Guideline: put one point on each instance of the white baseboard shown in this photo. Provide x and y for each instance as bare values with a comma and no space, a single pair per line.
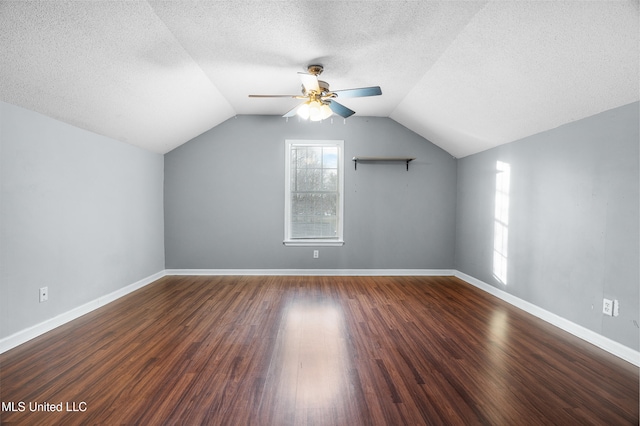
27,334
315,272
615,348
590,336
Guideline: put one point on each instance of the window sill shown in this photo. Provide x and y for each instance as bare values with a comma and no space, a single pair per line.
313,243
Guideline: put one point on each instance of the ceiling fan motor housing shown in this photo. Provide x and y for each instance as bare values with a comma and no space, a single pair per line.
324,88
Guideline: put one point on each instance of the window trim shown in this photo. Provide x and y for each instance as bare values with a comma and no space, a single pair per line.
313,242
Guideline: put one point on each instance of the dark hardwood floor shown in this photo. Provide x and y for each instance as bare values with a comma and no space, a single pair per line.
314,350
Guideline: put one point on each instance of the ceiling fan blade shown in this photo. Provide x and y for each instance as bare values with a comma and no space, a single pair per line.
275,96
293,111
340,109
356,93
310,82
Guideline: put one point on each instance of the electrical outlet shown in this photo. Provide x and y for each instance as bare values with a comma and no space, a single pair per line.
316,254
44,294
607,307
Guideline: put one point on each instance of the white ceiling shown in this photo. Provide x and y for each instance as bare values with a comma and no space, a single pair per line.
465,75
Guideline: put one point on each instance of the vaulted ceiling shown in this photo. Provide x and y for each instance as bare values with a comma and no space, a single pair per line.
465,75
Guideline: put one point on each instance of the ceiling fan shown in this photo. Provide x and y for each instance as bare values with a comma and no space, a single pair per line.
319,100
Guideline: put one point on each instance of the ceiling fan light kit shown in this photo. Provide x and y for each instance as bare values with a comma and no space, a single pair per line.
314,111
320,101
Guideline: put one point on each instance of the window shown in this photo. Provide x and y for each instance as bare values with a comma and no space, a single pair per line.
314,183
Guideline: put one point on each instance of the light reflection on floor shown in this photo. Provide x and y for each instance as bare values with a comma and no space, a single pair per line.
498,371
310,367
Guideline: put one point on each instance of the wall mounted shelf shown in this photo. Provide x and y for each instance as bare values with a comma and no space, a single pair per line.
406,160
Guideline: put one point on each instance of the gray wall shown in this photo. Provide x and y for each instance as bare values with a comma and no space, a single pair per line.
573,220
83,214
224,198
80,213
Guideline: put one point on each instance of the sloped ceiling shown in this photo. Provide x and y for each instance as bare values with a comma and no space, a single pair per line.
465,75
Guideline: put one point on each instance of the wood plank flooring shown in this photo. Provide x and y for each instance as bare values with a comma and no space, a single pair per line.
313,351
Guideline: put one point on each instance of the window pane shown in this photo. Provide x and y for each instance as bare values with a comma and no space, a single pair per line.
295,153
299,206
309,179
314,215
309,156
314,227
330,179
326,204
330,157
314,204
300,157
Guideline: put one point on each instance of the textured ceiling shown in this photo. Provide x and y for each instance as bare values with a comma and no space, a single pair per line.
465,75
